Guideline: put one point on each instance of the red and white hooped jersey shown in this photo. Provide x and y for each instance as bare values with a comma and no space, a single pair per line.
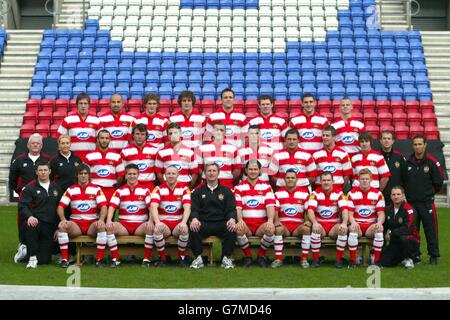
133,203
85,202
119,127
192,128
327,207
365,205
184,159
156,128
106,167
292,204
144,157
170,201
236,126
337,162
347,134
299,160
310,130
374,161
272,130
263,154
254,200
83,133
225,155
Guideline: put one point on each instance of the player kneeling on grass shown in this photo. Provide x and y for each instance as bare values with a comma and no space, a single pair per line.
366,216
86,200
170,209
255,206
133,201
328,213
291,201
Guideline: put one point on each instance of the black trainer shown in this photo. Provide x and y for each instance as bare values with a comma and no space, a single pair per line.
263,262
247,262
64,264
315,264
433,261
339,264
146,263
352,265
160,263
417,260
183,263
100,264
115,263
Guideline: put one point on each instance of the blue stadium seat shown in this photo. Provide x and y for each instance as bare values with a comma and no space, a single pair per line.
223,78
53,78
151,89
308,79
406,67
209,78
392,66
251,78
365,78
137,91
395,93
422,80
251,92
166,79
94,91
308,66
266,90
410,93
167,66
209,92
310,89
195,78
96,78
143,56
181,78
154,66
364,67
353,92
223,66
362,55
123,77
322,67
375,44
280,78
209,67
420,68
367,92
350,67
417,56
408,79
415,44
106,91
381,92
424,93
295,91
393,79
138,78
123,90
324,92
280,92
337,92
294,67
195,65
65,92
98,66
279,66
152,77
265,66
293,56
139,66
333,44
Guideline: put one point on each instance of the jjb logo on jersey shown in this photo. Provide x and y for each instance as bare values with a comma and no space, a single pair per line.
187,134
170,208
117,134
331,169
142,166
290,211
348,139
267,135
83,207
103,173
364,212
308,135
132,208
151,137
229,132
220,163
326,213
252,203
82,135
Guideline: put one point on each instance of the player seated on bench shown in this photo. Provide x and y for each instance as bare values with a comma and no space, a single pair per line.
328,213
133,201
170,209
366,216
86,200
255,206
290,220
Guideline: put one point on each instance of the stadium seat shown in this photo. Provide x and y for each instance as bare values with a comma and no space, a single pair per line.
431,132
374,130
401,132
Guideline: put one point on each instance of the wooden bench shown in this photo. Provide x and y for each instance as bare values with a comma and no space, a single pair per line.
292,247
134,245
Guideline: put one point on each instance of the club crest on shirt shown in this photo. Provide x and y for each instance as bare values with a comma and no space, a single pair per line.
55,193
426,169
400,220
221,197
397,164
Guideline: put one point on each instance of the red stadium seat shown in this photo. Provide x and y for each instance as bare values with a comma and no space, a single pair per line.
103,108
164,109
26,130
45,117
368,105
134,113
401,132
432,132
30,116
239,109
54,130
208,103
43,129
72,104
397,105
47,104
414,118
325,105
412,105
33,104
252,114
356,114
370,118
243,103
59,115
103,103
281,105
384,118
62,104
399,117
357,105
335,104
164,113
165,103
383,106
328,115
386,127
295,104
249,104
426,106
134,103
206,111
429,119
374,130
282,114
415,130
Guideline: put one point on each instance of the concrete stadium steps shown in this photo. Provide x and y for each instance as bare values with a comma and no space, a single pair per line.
395,18
72,14
16,72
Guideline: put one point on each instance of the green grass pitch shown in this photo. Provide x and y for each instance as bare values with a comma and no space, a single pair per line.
289,276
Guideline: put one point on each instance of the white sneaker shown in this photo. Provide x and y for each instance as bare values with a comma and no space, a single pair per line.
227,263
404,261
409,264
32,263
197,263
372,259
305,264
21,253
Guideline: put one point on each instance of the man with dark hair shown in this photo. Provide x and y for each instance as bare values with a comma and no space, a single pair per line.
88,213
423,179
118,123
273,128
192,123
213,214
309,125
236,122
143,154
82,126
179,155
401,232
396,163
372,160
106,165
156,124
37,209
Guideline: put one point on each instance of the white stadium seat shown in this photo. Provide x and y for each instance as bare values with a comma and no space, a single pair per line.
96,3
143,43
171,32
117,32
147,3
158,21
251,32
134,11
212,22
147,11
170,44
291,22
131,21
318,22
130,32
183,44
329,3
159,3
304,12
171,3
197,44
198,32
144,32
332,23
184,32
278,12
225,32
135,2
212,13
185,22
211,33
238,13
251,44
109,2
279,33
211,44
129,43
226,13
122,3
145,21
319,34
238,32
251,22
278,23
342,4
277,3
198,22
105,22
107,11
94,11
238,21
120,11
316,3
279,45
238,44
156,42
157,31
225,45
305,22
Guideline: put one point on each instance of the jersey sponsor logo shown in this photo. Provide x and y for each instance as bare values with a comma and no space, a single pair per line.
252,203
229,132
170,208
142,166
82,135
348,139
83,207
219,163
326,213
308,135
267,135
364,212
132,208
296,169
151,137
331,169
188,133
176,165
117,134
290,211
103,173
